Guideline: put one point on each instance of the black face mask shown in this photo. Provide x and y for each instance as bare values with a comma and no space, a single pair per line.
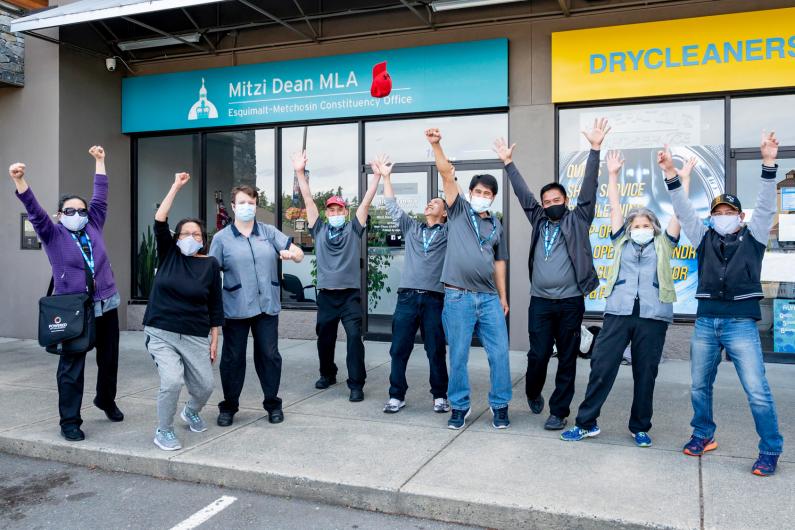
555,211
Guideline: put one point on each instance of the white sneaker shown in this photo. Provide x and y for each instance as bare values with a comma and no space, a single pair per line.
441,405
393,405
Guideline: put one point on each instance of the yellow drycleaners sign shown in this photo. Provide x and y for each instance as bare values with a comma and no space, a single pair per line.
708,54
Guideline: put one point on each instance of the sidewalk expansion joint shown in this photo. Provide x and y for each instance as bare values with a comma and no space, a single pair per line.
700,494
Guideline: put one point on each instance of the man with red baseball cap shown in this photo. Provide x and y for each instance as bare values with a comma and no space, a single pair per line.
339,261
730,256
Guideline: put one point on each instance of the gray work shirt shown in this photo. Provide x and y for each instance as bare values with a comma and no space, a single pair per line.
339,254
553,276
469,264
637,278
249,264
423,267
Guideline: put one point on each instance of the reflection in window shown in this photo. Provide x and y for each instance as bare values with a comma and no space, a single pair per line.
236,158
158,160
463,137
333,155
750,116
748,183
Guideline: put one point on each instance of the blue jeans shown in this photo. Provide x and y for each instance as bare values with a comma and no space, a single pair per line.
740,338
465,313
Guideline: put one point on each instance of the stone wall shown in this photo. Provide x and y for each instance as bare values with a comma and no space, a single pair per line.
12,53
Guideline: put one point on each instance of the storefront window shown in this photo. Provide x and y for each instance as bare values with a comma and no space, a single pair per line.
333,169
158,160
235,158
750,116
693,128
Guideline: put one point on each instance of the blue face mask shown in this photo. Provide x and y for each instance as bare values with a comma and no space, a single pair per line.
245,211
336,221
480,204
189,246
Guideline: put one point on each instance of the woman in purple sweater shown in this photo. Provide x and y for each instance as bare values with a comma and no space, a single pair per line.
75,244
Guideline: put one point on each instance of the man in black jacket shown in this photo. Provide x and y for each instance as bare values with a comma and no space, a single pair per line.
561,274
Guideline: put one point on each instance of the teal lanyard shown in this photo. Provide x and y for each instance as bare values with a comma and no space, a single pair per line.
481,240
549,241
88,257
426,241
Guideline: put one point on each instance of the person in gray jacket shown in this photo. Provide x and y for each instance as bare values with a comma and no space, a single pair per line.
561,275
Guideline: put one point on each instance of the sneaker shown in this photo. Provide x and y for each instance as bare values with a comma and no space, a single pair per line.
765,465
500,418
192,418
393,405
642,439
441,405
536,405
697,446
225,419
555,423
167,440
72,433
575,434
325,382
458,419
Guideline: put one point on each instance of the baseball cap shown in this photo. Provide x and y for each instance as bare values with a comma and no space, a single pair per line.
336,199
728,199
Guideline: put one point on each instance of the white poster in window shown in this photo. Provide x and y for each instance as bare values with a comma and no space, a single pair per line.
786,227
787,200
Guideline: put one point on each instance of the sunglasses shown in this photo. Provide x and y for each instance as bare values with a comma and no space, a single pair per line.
82,212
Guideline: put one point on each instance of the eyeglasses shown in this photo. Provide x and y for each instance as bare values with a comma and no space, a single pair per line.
82,212
195,235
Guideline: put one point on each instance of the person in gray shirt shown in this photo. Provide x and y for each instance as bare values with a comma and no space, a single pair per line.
339,263
420,295
475,297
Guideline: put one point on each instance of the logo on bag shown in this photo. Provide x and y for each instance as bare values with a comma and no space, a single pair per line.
57,325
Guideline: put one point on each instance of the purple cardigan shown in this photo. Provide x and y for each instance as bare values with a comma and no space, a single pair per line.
63,252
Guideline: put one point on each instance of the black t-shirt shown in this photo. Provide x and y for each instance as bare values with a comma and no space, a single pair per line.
186,295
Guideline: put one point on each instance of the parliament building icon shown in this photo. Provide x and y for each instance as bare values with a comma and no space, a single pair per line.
204,108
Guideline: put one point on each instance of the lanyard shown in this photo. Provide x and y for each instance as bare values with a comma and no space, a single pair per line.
426,242
549,241
481,240
334,235
90,257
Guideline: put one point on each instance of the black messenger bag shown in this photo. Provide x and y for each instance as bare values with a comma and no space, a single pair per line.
66,321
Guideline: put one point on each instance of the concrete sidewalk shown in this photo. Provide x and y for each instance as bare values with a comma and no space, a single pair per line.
334,451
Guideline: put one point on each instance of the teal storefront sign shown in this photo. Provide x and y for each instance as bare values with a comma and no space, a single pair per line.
458,76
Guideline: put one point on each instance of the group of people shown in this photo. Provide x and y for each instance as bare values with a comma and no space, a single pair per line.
452,286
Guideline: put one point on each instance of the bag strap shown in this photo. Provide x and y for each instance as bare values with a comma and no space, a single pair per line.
51,287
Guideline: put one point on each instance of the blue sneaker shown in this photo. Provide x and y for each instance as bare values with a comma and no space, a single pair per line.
575,434
642,439
500,420
765,465
458,419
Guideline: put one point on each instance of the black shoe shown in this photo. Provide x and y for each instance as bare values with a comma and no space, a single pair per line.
357,394
225,419
554,423
113,413
72,433
276,416
325,382
537,404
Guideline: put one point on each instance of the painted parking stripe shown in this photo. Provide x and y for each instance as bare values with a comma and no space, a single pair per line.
205,513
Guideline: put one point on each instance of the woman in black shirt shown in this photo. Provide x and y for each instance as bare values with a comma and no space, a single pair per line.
185,306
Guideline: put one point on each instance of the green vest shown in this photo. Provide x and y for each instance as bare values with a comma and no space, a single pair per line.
664,248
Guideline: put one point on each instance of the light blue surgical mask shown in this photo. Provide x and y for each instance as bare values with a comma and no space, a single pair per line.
245,211
189,246
725,224
336,221
480,204
74,223
641,236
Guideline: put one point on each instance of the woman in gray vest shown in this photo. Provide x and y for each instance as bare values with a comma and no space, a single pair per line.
248,251
640,296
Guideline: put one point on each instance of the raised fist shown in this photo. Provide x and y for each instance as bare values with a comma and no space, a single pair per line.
433,135
17,171
180,179
98,152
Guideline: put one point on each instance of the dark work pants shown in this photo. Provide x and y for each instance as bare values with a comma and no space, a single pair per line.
554,322
647,337
267,360
418,310
71,371
332,306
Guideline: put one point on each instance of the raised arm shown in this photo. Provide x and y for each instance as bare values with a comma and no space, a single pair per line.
614,164
586,201
38,217
685,214
162,234
98,205
765,210
444,166
364,206
299,166
532,209
674,228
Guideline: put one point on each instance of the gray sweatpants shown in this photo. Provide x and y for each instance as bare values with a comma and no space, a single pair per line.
179,359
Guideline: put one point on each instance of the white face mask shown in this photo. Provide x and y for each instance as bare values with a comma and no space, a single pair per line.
189,246
725,224
245,211
641,236
336,221
74,223
480,204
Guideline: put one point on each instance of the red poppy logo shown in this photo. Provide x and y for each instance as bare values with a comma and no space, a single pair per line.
382,81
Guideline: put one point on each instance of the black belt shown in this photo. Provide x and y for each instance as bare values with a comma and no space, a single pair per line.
419,291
